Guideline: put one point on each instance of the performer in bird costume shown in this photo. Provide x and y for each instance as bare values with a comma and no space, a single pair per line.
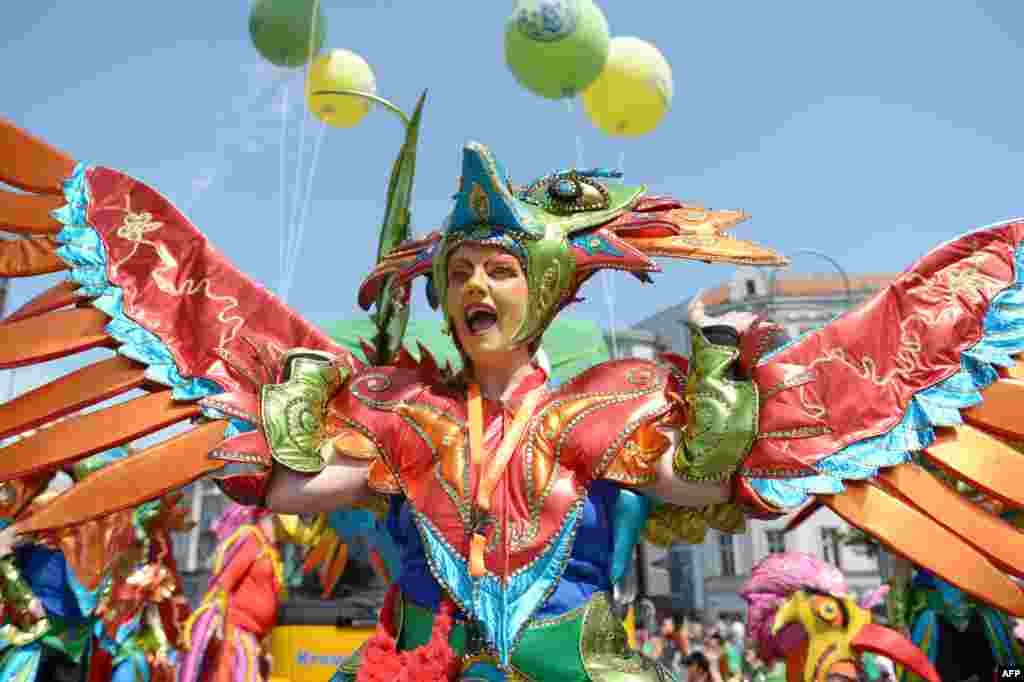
800,611
141,605
515,506
93,596
227,634
961,636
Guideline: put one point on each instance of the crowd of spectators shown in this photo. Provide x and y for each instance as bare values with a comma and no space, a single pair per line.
697,651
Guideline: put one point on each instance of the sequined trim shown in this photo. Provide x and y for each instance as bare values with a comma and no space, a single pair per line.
801,432
357,384
800,379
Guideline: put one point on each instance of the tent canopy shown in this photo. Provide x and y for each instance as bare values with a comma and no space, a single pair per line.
572,346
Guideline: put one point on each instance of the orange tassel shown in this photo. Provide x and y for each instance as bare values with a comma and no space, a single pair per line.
476,555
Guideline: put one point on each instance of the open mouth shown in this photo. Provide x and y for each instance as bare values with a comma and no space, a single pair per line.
480,318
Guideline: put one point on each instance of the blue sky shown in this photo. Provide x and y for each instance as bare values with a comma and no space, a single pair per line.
869,130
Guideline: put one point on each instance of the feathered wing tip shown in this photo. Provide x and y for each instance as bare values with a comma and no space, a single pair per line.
772,581
28,163
225,339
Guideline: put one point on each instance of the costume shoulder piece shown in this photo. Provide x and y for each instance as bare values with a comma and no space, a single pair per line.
595,423
323,404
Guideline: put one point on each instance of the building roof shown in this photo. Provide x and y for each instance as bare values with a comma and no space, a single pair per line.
808,285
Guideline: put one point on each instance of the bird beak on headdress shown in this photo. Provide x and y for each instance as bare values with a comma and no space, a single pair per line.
594,221
839,632
665,227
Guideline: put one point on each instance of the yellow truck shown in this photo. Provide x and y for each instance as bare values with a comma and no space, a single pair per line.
313,636
306,649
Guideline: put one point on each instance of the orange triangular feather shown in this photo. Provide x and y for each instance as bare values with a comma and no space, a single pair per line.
30,256
94,432
59,296
28,213
69,393
28,163
53,335
140,477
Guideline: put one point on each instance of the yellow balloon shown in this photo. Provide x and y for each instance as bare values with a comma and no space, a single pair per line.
340,70
633,93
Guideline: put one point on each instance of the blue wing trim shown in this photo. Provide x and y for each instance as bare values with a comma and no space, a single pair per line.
939,405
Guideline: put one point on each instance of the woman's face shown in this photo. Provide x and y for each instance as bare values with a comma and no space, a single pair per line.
486,299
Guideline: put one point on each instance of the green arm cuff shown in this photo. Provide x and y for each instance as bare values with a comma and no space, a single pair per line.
293,411
721,414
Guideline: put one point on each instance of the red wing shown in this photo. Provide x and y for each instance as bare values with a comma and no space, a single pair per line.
145,283
922,381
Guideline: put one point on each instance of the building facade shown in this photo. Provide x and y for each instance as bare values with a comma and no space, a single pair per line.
707,577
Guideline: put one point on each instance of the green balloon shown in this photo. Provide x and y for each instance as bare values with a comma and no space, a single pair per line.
556,48
287,32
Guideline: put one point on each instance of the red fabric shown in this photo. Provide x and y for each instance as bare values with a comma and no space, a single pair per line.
179,287
433,662
583,450
251,585
846,385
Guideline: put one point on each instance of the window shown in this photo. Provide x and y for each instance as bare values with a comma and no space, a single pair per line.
727,555
643,351
751,287
776,540
831,546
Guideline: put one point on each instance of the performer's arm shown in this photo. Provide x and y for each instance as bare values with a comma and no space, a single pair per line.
317,466
696,469
674,490
341,483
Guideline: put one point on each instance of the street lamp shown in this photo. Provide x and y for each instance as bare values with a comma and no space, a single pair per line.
824,256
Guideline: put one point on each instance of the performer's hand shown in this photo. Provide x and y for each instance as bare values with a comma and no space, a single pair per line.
738,320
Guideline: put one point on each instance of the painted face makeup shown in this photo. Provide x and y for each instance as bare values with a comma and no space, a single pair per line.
487,299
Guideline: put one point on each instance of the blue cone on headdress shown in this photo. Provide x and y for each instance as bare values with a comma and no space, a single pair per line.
485,197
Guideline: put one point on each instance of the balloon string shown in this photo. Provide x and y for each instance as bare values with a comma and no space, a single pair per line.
296,198
608,283
297,190
281,191
293,257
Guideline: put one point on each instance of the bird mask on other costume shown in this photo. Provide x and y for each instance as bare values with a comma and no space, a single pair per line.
799,610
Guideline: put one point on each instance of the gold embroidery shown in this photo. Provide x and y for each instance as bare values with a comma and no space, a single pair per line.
954,287
480,204
134,228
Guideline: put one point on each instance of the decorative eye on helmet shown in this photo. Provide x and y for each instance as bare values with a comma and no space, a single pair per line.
566,193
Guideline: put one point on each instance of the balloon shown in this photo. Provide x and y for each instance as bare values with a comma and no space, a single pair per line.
340,70
633,93
556,48
283,30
